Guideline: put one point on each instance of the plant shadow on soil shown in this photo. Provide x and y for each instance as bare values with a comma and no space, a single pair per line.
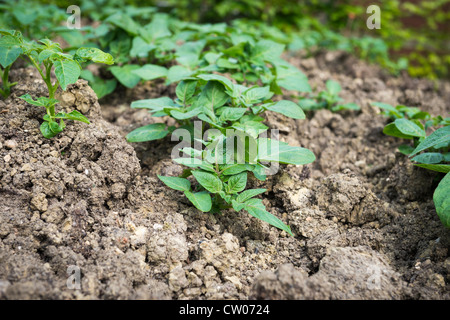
363,217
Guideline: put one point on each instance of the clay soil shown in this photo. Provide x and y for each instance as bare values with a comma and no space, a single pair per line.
363,217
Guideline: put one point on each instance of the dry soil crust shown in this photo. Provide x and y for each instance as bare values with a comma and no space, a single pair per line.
363,218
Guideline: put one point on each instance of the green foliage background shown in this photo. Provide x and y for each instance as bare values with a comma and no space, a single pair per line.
416,30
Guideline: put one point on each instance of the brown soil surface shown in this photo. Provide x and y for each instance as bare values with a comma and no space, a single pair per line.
363,217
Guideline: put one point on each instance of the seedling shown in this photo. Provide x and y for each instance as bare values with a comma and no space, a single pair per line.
401,111
328,99
232,148
412,123
429,152
44,56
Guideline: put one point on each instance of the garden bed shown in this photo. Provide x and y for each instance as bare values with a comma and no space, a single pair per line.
362,215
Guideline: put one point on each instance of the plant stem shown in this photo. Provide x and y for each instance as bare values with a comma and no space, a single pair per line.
48,81
6,91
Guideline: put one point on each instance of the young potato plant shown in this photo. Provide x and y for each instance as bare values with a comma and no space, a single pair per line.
412,123
437,158
328,99
429,152
233,147
45,56
401,111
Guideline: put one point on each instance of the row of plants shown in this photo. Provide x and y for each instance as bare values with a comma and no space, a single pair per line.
431,151
148,45
143,37
222,105
415,31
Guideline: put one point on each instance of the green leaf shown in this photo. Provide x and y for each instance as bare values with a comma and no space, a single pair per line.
151,71
215,77
156,104
176,183
247,194
346,106
392,130
232,169
429,158
201,200
195,163
50,129
231,114
158,28
9,54
208,181
405,149
177,73
74,115
94,55
149,132
185,115
189,53
290,78
140,48
309,104
333,87
10,41
224,196
287,108
185,90
441,198
409,128
237,183
277,151
40,102
266,50
124,21
192,152
440,136
125,75
390,109
67,72
434,167
252,128
257,209
257,94
213,96
259,171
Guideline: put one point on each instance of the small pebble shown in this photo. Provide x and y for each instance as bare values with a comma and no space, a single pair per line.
11,144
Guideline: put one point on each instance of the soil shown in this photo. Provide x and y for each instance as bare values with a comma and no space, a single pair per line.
363,217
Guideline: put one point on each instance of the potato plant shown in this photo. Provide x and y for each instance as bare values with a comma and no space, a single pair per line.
218,163
412,124
430,152
327,99
46,56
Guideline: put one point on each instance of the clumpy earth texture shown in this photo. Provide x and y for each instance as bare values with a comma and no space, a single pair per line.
363,218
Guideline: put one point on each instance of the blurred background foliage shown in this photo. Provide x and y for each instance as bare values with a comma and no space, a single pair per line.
413,35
